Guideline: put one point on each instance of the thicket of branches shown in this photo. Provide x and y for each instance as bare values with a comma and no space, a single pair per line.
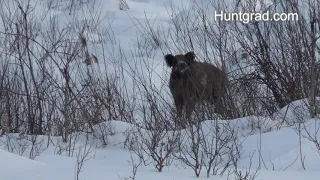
52,80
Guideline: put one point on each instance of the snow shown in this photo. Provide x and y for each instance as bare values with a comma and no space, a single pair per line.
279,147
268,144
280,152
15,164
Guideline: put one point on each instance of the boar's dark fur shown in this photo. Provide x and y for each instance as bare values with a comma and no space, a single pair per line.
192,81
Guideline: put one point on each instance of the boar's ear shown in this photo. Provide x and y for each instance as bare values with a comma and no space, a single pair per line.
191,56
170,60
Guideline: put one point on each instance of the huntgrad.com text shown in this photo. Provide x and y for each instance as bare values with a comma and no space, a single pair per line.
247,17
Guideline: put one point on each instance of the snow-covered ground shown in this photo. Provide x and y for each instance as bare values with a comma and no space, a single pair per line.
278,156
271,146
276,153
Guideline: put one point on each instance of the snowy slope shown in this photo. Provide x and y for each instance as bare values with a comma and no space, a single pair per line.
279,151
12,164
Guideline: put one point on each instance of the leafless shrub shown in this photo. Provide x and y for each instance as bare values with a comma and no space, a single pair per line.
24,145
245,174
208,145
191,152
307,131
135,165
153,138
67,148
15,144
102,131
37,146
156,144
83,154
